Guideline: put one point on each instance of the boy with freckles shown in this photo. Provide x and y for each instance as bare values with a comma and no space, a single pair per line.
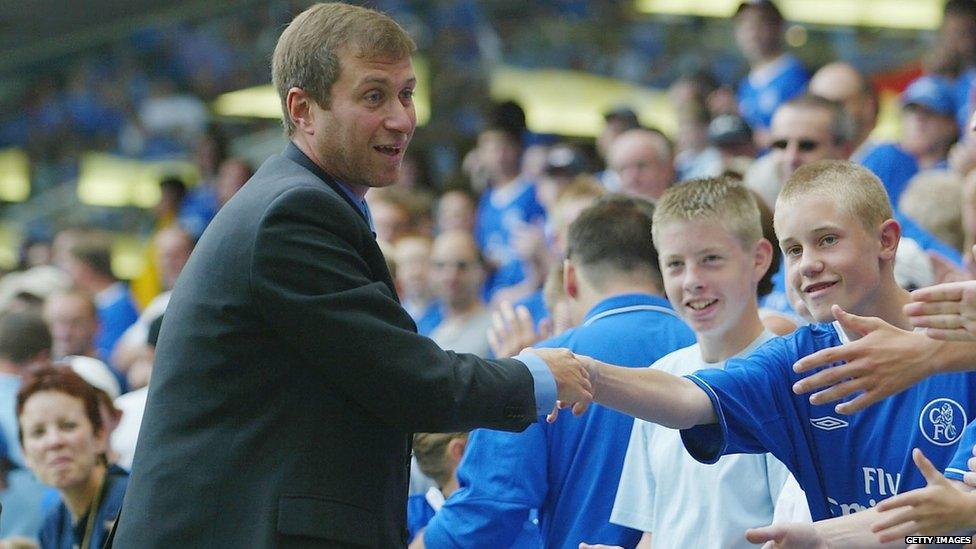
834,225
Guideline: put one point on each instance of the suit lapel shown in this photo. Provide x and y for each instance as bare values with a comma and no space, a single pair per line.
373,254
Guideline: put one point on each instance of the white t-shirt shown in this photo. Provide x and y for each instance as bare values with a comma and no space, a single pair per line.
684,503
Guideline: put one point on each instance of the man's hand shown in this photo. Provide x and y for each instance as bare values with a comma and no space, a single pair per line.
512,329
789,535
938,509
591,365
946,311
572,380
884,361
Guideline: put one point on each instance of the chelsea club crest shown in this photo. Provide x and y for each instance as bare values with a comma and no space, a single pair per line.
942,421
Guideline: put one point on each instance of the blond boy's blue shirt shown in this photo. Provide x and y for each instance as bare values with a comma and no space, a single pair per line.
843,463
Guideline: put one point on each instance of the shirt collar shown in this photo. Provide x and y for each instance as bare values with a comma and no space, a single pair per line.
623,301
295,154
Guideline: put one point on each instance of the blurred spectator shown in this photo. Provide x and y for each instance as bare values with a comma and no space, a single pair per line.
804,129
133,404
843,83
933,198
231,176
696,156
732,138
202,204
25,345
171,250
73,321
456,210
507,206
955,49
27,290
928,131
562,164
458,275
438,455
147,285
390,214
90,268
617,121
642,160
414,284
59,412
774,75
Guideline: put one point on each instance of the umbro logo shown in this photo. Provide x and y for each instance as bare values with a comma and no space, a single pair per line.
828,423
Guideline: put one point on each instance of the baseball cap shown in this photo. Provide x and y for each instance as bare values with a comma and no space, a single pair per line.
932,92
728,129
564,160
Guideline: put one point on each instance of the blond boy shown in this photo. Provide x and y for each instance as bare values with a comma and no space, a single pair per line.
712,256
834,223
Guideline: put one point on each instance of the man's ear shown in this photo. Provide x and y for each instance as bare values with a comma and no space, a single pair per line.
890,234
570,281
299,106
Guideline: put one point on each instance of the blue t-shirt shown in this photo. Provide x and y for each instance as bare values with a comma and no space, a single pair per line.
959,465
499,215
893,166
567,470
843,463
536,305
760,94
419,513
59,532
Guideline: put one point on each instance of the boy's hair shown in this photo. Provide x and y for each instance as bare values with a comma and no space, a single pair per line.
721,200
765,286
856,190
614,236
430,450
934,199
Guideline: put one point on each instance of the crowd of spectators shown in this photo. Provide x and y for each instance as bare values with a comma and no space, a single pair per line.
471,256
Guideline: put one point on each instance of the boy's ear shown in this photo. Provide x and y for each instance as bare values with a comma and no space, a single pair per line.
890,234
762,254
455,448
570,282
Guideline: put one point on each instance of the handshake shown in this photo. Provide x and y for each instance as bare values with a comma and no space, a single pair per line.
574,375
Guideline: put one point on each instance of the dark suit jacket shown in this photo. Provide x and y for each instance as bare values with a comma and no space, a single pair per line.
288,381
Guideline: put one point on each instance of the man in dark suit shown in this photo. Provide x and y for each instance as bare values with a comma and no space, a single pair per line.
288,378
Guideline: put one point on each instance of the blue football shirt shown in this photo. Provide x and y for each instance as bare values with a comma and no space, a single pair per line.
761,92
959,465
843,463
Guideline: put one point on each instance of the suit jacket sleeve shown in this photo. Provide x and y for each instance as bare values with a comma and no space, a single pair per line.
313,282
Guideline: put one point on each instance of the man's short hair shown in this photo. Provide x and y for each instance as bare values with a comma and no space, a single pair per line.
841,126
96,253
855,189
721,200
307,53
23,334
614,236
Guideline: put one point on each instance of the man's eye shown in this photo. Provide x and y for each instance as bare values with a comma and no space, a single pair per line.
828,240
407,94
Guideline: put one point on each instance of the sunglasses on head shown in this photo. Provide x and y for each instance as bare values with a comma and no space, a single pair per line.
804,145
